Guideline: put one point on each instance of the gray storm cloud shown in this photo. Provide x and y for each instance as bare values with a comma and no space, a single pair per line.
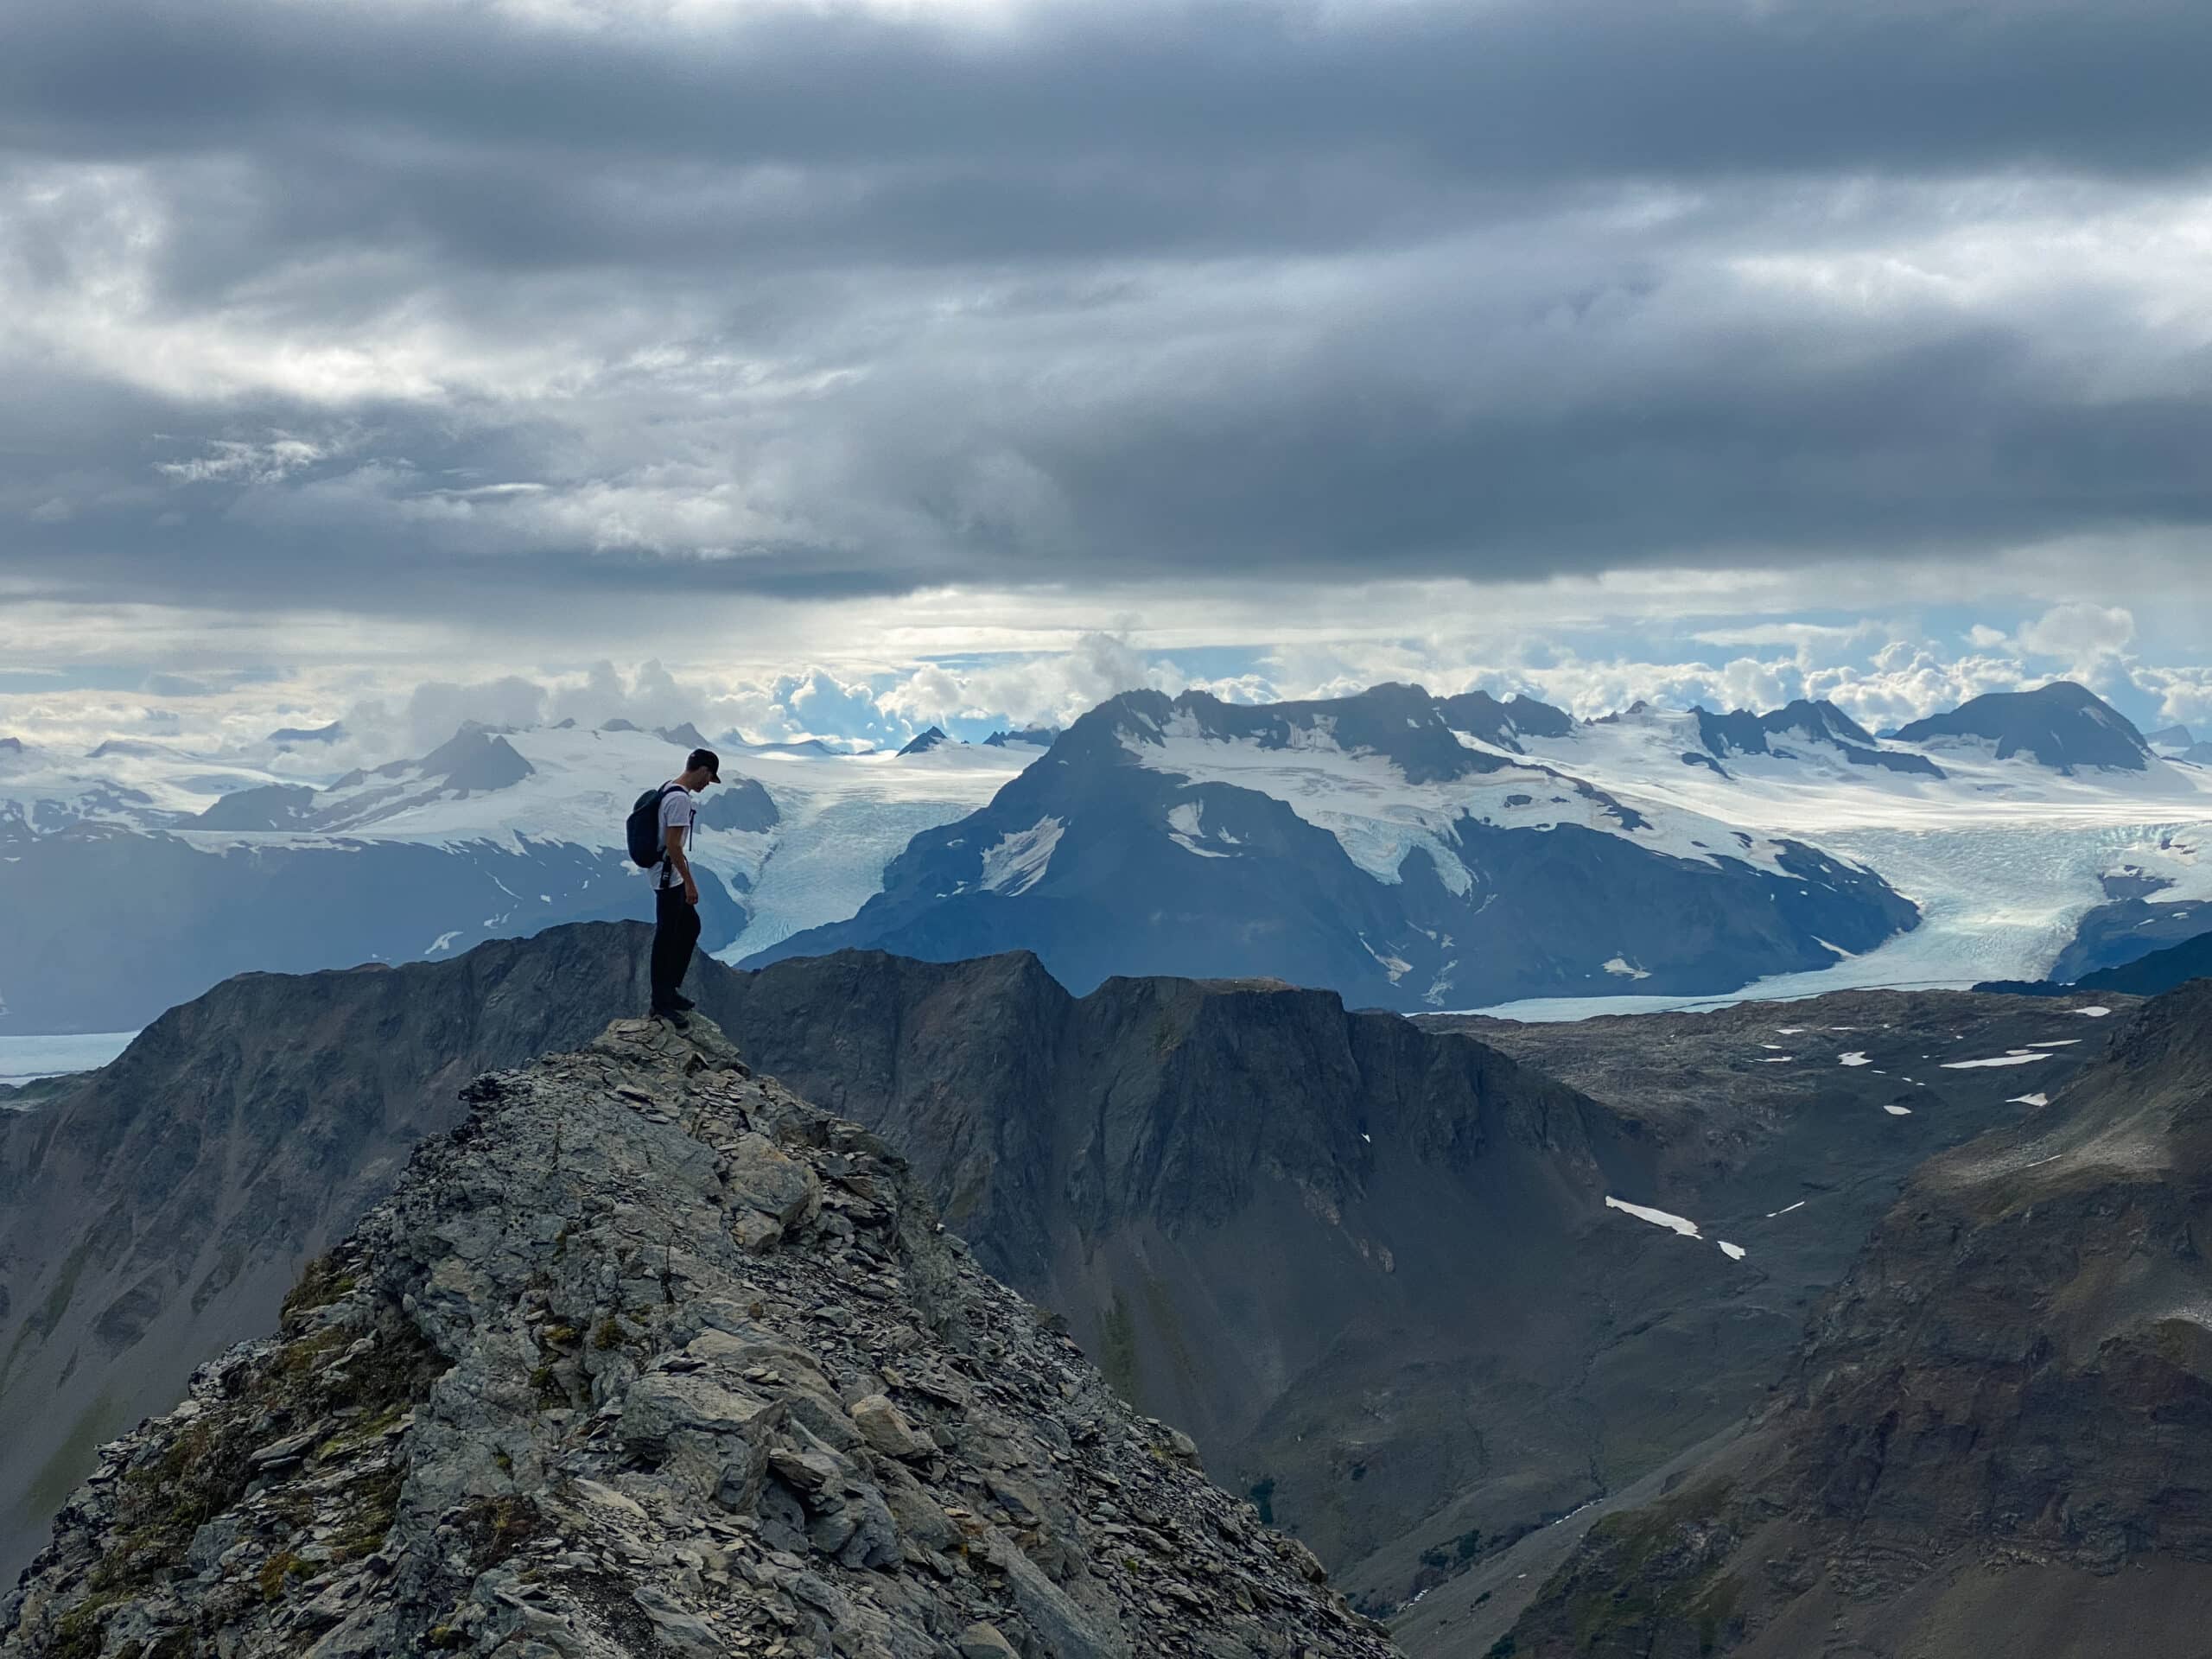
377,306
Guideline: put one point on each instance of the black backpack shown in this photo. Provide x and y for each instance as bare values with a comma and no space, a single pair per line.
647,846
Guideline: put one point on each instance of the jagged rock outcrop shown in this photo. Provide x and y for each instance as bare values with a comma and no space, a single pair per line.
650,1357
1998,1438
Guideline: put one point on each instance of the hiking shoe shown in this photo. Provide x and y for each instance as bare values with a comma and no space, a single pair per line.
681,1004
670,1015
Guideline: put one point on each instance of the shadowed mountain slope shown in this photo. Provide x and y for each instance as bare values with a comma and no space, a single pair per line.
1998,1436
153,1212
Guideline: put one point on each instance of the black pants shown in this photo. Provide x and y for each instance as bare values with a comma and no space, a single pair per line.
676,931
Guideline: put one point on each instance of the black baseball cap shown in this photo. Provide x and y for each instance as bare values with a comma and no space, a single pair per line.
708,759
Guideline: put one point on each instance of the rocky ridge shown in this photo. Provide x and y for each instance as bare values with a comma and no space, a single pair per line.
649,1356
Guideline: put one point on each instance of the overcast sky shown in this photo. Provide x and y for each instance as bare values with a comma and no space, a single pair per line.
867,365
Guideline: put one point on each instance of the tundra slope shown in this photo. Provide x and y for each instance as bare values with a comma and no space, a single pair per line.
649,1356
1995,1437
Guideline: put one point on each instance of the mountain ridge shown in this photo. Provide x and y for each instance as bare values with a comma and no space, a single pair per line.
649,1355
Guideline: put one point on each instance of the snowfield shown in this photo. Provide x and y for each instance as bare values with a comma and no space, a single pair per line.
842,817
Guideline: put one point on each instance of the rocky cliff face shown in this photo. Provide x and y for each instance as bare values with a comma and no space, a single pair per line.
649,1356
1998,1435
154,1213
1368,1266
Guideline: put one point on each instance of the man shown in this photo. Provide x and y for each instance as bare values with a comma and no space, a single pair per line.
676,892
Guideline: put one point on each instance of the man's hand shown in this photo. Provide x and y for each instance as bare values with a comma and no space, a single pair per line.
690,891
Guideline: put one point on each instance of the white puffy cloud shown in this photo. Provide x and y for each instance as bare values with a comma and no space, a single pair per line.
1049,690
2082,635
2184,694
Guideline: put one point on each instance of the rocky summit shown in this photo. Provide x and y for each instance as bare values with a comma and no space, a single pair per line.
651,1357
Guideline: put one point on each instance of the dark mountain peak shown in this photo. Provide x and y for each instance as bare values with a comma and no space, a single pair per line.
268,806
923,742
2174,737
1819,719
288,735
1042,737
1745,732
618,724
1400,723
128,746
476,760
684,736
2062,725
1480,715
739,803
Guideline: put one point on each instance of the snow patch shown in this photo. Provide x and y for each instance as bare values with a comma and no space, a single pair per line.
443,942
1855,1057
1786,1209
2018,1056
1657,1217
1018,862
2036,1099
1622,968
1899,1111
1733,1252
2094,1013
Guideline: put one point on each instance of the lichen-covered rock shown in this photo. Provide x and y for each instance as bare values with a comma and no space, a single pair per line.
649,1356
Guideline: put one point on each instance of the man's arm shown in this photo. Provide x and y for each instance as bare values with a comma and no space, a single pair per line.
673,836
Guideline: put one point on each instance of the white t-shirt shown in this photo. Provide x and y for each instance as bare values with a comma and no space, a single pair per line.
679,807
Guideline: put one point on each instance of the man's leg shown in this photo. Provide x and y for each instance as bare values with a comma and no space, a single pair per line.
688,932
671,944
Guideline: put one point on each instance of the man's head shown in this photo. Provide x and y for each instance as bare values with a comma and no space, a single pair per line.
703,767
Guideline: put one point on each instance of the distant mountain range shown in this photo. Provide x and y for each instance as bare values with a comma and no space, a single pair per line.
1413,851
1407,850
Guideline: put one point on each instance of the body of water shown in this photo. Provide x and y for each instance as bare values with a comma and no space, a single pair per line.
23,1059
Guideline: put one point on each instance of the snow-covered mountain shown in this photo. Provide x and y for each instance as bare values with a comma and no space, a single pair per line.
2179,743
134,879
1365,844
1409,850
1412,850
2062,725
